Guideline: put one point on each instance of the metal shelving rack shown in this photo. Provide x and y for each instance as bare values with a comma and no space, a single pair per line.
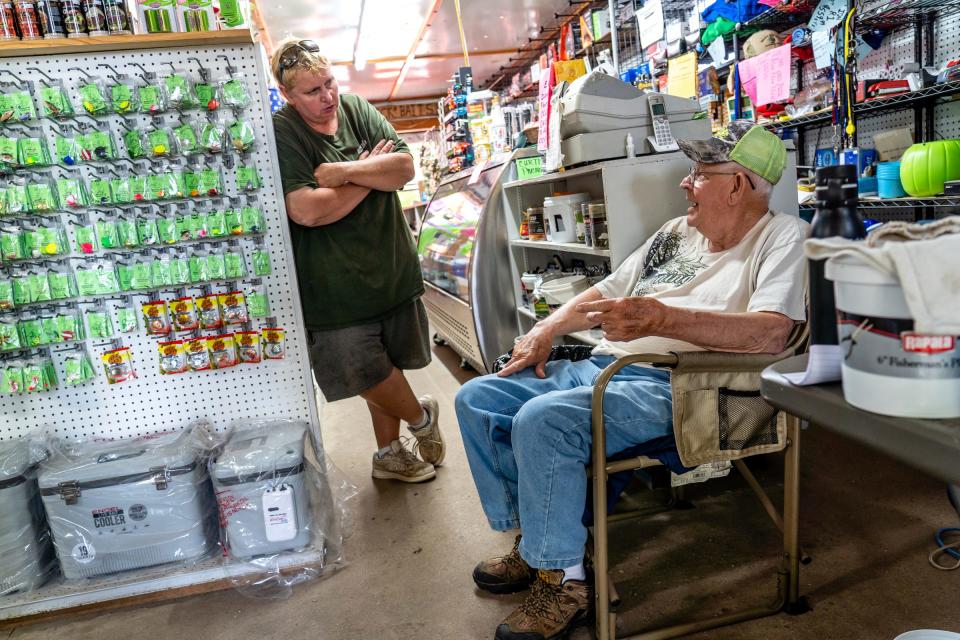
874,107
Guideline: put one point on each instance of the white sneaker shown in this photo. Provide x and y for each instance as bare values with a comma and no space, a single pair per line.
430,444
400,464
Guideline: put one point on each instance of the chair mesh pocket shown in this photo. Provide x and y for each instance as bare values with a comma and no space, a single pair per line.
746,420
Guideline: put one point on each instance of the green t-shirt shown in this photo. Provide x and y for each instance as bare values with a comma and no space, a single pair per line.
363,267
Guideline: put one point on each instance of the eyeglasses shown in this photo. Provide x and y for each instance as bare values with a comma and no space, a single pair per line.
291,56
695,175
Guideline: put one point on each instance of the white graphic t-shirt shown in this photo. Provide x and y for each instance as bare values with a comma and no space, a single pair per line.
766,271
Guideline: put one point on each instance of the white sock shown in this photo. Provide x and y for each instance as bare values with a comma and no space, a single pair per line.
385,450
424,422
576,572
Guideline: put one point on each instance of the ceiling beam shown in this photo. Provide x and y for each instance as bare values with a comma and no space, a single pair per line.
427,20
432,56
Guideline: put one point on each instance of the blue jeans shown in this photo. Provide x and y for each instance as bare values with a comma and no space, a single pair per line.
528,442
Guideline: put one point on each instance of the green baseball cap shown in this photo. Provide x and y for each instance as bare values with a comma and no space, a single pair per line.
748,144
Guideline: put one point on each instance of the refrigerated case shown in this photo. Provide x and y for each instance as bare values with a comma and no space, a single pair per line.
464,255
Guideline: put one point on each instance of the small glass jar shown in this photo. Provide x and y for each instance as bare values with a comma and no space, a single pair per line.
524,226
598,226
581,216
535,223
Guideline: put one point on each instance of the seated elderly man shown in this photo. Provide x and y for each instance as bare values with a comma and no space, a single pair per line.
729,276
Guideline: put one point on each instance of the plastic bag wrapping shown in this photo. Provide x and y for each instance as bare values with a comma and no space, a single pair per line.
26,554
127,504
282,507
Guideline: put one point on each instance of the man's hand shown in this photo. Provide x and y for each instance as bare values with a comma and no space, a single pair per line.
624,319
532,351
336,174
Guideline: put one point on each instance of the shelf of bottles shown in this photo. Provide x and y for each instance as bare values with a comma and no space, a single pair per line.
454,123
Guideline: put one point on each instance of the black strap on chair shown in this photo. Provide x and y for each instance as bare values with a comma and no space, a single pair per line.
571,352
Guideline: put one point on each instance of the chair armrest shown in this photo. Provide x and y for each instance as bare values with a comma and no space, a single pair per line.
598,455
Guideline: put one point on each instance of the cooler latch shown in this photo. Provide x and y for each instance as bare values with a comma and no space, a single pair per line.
161,477
69,491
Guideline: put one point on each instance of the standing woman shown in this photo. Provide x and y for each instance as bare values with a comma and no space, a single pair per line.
360,285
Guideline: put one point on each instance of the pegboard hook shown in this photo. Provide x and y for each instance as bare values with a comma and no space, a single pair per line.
15,76
116,74
144,75
85,74
203,70
230,68
49,79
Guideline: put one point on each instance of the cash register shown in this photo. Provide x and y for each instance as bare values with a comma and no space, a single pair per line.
597,111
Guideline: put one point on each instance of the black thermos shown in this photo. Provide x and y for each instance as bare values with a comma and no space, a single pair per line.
836,215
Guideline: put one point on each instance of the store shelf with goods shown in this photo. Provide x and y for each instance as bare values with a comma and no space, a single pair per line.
902,203
70,46
783,16
874,107
602,40
530,91
548,178
892,14
562,247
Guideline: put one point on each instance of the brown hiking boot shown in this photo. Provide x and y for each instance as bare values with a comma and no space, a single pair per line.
551,609
504,574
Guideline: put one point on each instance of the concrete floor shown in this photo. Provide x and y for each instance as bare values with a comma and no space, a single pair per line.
867,522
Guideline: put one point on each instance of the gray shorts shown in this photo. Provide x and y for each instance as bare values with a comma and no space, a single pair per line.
347,362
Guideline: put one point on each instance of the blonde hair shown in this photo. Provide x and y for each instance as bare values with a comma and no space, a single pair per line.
306,61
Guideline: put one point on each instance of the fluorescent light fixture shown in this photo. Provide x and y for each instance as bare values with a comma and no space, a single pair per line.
389,65
359,61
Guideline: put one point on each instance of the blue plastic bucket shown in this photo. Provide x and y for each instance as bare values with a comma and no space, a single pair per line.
888,180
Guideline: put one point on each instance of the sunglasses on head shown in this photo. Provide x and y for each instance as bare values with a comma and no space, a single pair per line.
292,54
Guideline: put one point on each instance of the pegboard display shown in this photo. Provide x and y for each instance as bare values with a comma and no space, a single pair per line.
155,402
887,62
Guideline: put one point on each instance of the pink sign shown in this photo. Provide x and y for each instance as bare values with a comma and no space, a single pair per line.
543,117
766,78
769,3
773,75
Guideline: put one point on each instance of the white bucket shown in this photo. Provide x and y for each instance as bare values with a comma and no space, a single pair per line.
887,368
928,634
559,291
560,215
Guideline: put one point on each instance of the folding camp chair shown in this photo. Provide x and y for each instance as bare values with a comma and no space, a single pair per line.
718,415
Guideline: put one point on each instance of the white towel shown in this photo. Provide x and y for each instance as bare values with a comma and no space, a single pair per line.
928,269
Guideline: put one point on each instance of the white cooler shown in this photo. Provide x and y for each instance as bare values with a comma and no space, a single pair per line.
25,555
141,504
262,490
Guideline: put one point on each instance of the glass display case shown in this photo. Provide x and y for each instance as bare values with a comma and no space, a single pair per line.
463,247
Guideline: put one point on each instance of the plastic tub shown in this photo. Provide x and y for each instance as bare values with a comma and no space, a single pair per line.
928,634
560,215
559,291
887,368
888,180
